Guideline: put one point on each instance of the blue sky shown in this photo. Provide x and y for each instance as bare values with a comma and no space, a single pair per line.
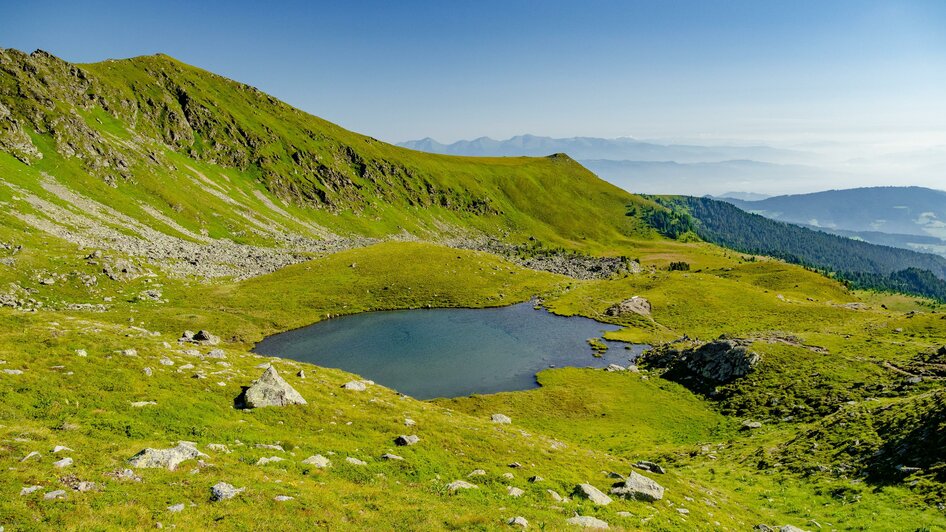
397,70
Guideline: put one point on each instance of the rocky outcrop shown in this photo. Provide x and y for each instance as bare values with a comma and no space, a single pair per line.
271,390
635,305
166,458
638,487
705,366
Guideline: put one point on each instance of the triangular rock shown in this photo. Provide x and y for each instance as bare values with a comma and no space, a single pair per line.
271,390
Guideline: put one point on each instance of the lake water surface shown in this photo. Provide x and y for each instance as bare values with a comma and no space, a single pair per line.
429,353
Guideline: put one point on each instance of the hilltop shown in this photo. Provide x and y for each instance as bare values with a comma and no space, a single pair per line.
145,200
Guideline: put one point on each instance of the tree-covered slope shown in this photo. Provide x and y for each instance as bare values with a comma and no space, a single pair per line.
867,265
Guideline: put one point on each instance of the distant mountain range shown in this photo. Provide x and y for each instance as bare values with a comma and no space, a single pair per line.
654,168
619,149
906,217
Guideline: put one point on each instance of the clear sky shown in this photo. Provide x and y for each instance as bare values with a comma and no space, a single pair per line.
401,69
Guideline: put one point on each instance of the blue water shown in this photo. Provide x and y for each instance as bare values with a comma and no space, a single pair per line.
432,353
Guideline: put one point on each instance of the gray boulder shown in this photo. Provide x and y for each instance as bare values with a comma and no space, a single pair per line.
271,390
639,487
405,441
502,419
593,494
355,386
458,485
318,461
586,521
635,305
166,458
222,491
519,521
204,337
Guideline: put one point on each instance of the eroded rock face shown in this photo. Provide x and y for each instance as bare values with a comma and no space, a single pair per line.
634,305
271,390
166,458
639,487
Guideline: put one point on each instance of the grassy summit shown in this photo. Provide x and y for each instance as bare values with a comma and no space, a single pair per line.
144,197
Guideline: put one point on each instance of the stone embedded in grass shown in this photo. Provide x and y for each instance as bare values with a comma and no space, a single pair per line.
13,371
147,371
60,448
165,361
593,494
283,498
271,390
615,367
264,460
301,374
216,353
518,521
501,419
536,478
175,508
389,456
405,441
32,454
458,485
586,521
81,353
751,425
222,491
555,496
639,487
219,448
142,404
354,461
130,352
270,446
408,422
318,461
57,494
65,462
515,492
166,458
29,489
477,473
355,386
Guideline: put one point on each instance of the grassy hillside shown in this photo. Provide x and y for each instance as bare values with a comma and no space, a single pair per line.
142,198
